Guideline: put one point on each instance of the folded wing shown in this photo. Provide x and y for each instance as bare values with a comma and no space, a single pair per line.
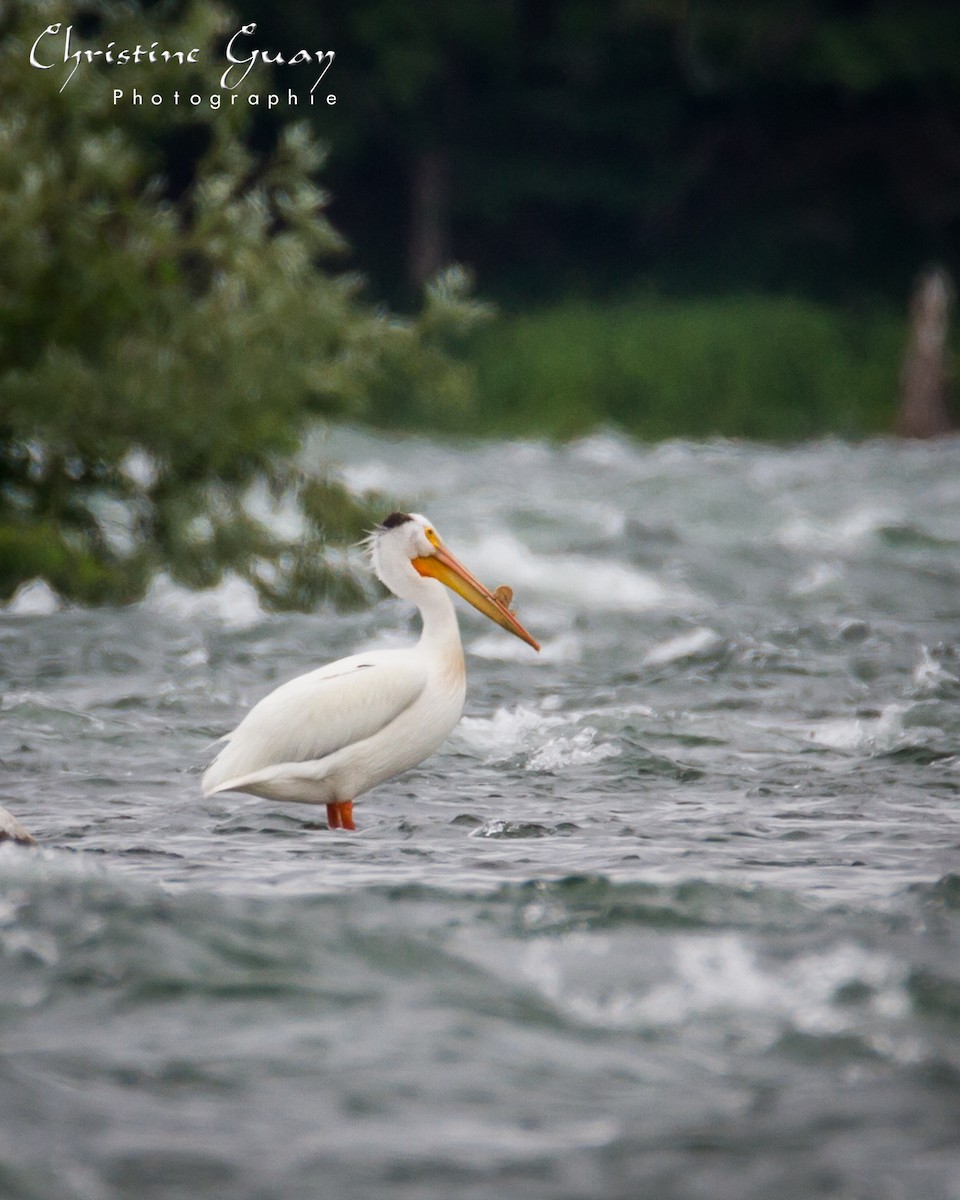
316,714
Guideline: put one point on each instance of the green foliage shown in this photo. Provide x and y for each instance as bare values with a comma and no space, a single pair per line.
441,391
170,322
42,550
756,367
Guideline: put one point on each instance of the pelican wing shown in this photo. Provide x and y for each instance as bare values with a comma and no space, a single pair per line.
316,714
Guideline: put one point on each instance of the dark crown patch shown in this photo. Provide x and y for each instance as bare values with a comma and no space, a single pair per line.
395,519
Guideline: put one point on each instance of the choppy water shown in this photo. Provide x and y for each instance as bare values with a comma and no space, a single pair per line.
675,914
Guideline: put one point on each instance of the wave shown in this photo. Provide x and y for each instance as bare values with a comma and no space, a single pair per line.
36,598
852,530
697,644
581,580
896,728
232,603
543,741
417,1041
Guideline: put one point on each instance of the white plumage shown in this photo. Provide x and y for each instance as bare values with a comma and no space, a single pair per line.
334,733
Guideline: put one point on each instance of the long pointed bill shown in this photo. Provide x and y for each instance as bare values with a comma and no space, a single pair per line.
454,574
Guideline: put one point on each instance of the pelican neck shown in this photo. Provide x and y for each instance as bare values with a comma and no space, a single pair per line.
438,615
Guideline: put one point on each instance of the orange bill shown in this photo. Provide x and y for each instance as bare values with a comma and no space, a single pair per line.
454,574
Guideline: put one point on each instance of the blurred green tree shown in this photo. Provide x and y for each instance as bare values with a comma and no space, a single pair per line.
171,322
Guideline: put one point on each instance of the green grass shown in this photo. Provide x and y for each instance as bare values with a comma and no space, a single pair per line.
753,367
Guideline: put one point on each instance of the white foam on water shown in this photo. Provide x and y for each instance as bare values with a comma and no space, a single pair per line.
607,450
715,976
567,648
929,675
506,733
580,580
233,602
551,742
867,736
578,750
858,737
697,643
822,579
36,598
850,531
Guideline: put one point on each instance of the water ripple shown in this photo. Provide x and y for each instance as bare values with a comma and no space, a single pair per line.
674,913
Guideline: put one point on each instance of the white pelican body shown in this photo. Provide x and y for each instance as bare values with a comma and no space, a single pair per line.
327,736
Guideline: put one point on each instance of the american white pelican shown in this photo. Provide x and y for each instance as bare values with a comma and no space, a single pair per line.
334,733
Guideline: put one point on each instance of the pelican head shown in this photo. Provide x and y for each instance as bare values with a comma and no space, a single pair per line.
408,555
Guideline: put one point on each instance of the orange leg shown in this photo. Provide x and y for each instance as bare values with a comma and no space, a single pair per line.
340,816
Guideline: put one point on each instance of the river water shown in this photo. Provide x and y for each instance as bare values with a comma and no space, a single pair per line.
675,913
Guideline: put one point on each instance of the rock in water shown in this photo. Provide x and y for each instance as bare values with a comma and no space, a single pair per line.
12,831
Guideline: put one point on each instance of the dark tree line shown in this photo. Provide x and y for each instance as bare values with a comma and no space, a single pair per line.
693,145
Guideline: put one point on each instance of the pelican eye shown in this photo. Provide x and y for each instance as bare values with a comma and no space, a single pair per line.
432,537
